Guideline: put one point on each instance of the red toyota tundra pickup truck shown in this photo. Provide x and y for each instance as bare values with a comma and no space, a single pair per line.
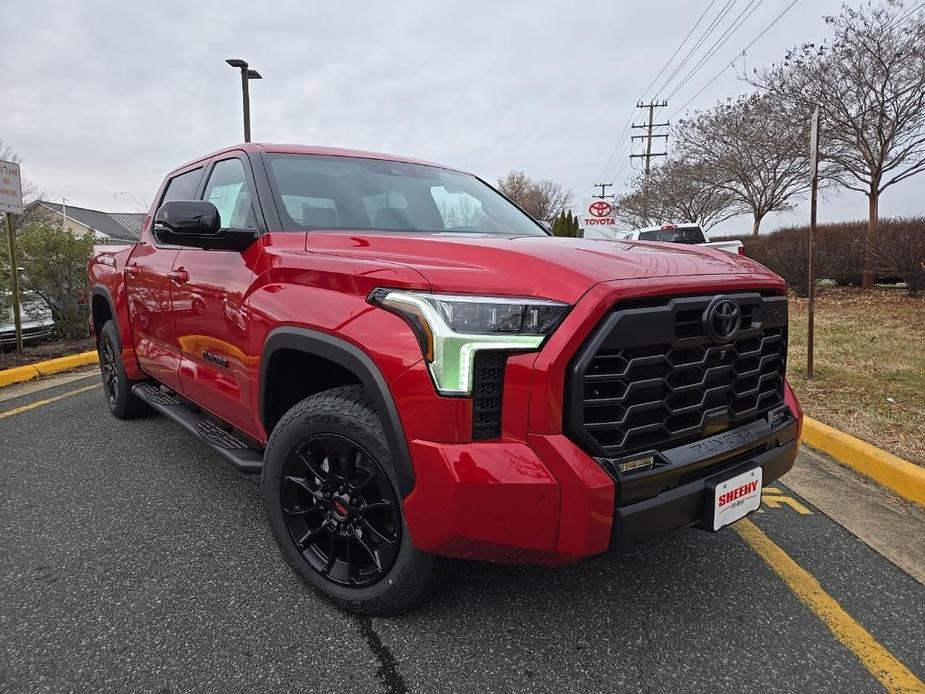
417,370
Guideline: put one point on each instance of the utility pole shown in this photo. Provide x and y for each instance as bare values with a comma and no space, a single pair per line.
603,186
650,135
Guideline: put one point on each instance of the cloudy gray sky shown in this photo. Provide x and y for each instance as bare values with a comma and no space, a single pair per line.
103,97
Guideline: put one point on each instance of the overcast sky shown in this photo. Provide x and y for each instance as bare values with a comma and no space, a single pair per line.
105,97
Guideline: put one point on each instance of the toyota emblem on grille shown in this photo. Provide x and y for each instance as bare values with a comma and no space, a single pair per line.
721,319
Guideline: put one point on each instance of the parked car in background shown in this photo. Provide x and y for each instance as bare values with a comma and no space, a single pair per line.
37,323
690,234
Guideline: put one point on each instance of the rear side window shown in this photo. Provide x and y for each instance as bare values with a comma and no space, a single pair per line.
686,235
183,187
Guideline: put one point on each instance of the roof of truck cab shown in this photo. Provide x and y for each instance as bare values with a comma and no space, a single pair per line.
271,148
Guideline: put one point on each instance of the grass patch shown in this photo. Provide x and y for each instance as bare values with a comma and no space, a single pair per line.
869,366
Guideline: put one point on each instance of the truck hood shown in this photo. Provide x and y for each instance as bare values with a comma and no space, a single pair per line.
542,266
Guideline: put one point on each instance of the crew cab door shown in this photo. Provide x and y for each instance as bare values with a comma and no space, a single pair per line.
208,293
148,291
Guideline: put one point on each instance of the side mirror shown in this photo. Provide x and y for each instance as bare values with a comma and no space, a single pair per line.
197,223
188,217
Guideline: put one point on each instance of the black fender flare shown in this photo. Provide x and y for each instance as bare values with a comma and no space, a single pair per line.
100,290
359,363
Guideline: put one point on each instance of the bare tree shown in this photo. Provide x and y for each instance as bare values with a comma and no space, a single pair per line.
736,149
460,213
678,192
543,199
632,209
516,185
869,83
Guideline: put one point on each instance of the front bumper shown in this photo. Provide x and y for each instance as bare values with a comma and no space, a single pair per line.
684,505
31,332
548,502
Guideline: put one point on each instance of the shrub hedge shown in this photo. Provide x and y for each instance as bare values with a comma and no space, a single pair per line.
899,252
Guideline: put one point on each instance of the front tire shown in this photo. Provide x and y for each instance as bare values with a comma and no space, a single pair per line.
122,402
334,510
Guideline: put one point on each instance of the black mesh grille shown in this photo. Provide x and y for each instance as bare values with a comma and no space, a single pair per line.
651,377
487,387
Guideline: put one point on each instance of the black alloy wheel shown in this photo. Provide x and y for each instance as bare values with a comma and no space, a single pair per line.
122,402
110,371
340,510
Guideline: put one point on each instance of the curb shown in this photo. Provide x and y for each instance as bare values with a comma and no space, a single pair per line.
19,374
902,477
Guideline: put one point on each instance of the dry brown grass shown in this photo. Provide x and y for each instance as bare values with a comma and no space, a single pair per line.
869,366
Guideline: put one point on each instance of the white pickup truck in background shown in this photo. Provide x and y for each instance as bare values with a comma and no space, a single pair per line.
681,233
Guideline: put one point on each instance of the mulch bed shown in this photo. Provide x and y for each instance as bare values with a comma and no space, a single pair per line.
45,350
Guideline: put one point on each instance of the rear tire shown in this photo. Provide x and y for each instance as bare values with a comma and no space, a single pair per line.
332,503
122,402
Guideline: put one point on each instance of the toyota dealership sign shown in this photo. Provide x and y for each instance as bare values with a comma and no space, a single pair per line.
597,216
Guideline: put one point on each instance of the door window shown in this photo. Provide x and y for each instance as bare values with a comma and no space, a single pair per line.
183,187
229,192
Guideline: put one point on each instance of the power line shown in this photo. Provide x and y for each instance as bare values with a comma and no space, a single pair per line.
724,10
909,13
613,158
719,43
726,67
678,49
617,161
617,155
623,162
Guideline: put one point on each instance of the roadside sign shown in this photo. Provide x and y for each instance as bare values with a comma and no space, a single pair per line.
810,251
598,215
814,144
10,204
10,188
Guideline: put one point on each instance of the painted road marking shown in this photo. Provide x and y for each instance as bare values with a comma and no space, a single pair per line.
48,401
772,497
20,390
890,672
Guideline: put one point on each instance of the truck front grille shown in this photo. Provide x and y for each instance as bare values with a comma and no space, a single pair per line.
653,375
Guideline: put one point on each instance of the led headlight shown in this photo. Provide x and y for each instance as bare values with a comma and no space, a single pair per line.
452,328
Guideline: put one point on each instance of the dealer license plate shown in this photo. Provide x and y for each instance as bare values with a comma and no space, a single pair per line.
736,497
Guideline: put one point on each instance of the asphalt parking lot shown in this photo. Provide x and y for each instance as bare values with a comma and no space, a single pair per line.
133,559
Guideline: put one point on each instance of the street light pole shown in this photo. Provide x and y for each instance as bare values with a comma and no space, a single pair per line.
247,74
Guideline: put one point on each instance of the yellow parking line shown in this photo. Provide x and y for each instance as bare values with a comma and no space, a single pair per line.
47,401
892,674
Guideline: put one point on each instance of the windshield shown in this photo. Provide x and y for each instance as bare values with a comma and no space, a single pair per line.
685,235
319,192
